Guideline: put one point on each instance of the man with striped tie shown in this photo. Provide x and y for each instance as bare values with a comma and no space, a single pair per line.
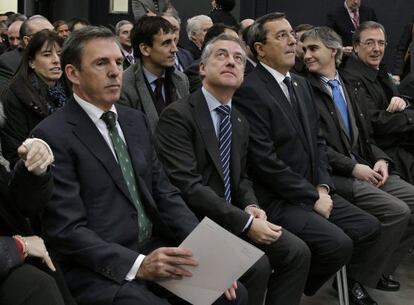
202,142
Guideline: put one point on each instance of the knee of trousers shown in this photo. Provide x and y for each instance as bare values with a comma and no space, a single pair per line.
339,252
242,295
299,255
400,213
370,231
261,269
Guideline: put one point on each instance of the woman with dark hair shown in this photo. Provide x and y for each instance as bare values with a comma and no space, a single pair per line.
221,12
35,92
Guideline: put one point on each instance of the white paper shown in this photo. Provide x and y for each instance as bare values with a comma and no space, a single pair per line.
222,258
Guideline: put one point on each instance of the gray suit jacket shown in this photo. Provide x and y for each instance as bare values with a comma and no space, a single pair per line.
135,92
141,7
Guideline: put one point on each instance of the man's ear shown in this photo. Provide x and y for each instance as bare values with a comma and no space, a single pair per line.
258,46
72,74
201,70
145,49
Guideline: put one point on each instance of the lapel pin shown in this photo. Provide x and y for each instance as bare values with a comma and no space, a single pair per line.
295,83
239,119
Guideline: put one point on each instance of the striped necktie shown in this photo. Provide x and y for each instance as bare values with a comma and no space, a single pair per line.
121,150
225,147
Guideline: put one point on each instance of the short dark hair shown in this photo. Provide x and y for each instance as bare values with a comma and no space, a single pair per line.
58,23
356,37
216,30
73,48
226,5
258,31
146,28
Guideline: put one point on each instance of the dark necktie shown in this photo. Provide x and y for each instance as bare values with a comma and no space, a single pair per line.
225,147
130,59
159,98
340,103
121,150
293,101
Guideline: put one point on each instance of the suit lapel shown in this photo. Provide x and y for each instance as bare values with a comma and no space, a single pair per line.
236,146
90,136
205,124
282,101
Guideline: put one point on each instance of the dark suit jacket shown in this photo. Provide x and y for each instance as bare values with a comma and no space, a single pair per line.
91,220
184,58
141,7
9,62
340,22
188,147
344,151
21,195
287,158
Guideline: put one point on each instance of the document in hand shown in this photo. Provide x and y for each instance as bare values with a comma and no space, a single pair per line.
222,258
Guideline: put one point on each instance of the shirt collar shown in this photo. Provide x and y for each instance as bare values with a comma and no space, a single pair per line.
212,102
326,80
276,74
151,77
126,53
94,112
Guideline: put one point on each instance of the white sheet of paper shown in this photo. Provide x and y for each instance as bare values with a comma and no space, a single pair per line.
222,258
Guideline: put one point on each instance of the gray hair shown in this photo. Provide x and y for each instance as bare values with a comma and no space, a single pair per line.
73,48
258,33
121,24
356,37
207,49
328,37
194,24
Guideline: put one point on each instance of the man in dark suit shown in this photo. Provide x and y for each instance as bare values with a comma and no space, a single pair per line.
113,213
123,30
390,114
287,160
360,169
345,19
193,141
153,82
183,57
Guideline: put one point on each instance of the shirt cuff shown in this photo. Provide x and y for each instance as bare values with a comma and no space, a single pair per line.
131,275
326,187
248,224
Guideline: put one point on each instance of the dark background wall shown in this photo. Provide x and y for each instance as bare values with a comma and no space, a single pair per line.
392,14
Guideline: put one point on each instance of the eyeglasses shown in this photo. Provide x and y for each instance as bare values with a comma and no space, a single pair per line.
370,43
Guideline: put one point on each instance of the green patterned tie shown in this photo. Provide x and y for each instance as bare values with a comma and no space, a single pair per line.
144,223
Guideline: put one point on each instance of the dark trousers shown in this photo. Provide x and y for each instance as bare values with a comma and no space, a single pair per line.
289,258
28,285
342,239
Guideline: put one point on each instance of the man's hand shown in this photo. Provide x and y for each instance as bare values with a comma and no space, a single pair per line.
230,293
264,232
397,104
166,263
256,212
365,173
381,167
36,155
323,206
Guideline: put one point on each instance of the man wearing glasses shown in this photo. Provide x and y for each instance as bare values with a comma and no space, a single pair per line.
287,157
391,116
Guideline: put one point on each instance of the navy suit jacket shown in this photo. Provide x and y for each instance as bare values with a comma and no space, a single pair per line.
91,221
